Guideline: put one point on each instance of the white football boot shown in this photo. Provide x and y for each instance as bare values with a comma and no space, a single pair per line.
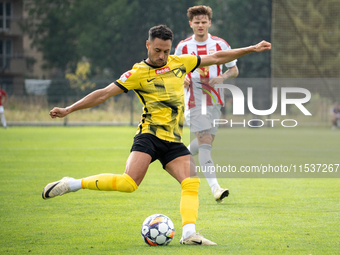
220,193
196,239
57,188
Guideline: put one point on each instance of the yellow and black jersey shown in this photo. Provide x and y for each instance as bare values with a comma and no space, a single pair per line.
161,91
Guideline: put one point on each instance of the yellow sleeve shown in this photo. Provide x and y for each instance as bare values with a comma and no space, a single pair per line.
190,62
128,80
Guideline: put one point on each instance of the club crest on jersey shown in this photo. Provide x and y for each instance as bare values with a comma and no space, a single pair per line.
211,51
162,70
124,76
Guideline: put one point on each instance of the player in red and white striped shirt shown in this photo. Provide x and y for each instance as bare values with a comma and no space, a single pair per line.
200,82
3,98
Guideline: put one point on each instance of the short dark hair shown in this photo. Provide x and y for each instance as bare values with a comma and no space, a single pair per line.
161,32
199,10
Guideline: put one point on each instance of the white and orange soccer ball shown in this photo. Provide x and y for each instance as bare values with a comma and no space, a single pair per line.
157,229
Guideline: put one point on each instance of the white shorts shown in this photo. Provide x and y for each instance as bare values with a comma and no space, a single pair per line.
2,109
198,122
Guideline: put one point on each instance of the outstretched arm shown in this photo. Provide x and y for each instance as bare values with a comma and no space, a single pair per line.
95,98
225,56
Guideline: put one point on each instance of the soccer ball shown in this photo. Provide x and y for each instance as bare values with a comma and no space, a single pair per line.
157,229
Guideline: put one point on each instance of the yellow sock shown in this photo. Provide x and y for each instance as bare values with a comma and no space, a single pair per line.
189,200
109,182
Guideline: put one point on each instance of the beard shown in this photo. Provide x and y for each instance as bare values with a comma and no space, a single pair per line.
157,62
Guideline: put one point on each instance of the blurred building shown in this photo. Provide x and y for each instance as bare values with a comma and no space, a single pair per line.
12,57
18,61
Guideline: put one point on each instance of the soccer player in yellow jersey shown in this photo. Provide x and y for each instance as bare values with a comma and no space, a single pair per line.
158,82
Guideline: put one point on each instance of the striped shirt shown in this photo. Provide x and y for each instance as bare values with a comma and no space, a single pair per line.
200,78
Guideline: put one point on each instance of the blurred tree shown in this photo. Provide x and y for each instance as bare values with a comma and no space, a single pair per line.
50,28
111,34
79,80
306,35
114,37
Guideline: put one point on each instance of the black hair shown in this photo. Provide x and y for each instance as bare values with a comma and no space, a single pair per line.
161,32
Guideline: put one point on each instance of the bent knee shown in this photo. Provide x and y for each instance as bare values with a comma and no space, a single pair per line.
129,189
126,184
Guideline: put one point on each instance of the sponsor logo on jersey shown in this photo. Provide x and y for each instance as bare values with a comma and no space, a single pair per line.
124,76
162,70
201,48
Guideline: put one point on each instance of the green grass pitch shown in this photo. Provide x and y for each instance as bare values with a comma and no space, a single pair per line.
261,215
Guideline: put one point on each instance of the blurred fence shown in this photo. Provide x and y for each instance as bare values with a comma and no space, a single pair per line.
41,96
125,108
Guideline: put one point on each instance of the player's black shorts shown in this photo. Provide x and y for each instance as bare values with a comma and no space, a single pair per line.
159,149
